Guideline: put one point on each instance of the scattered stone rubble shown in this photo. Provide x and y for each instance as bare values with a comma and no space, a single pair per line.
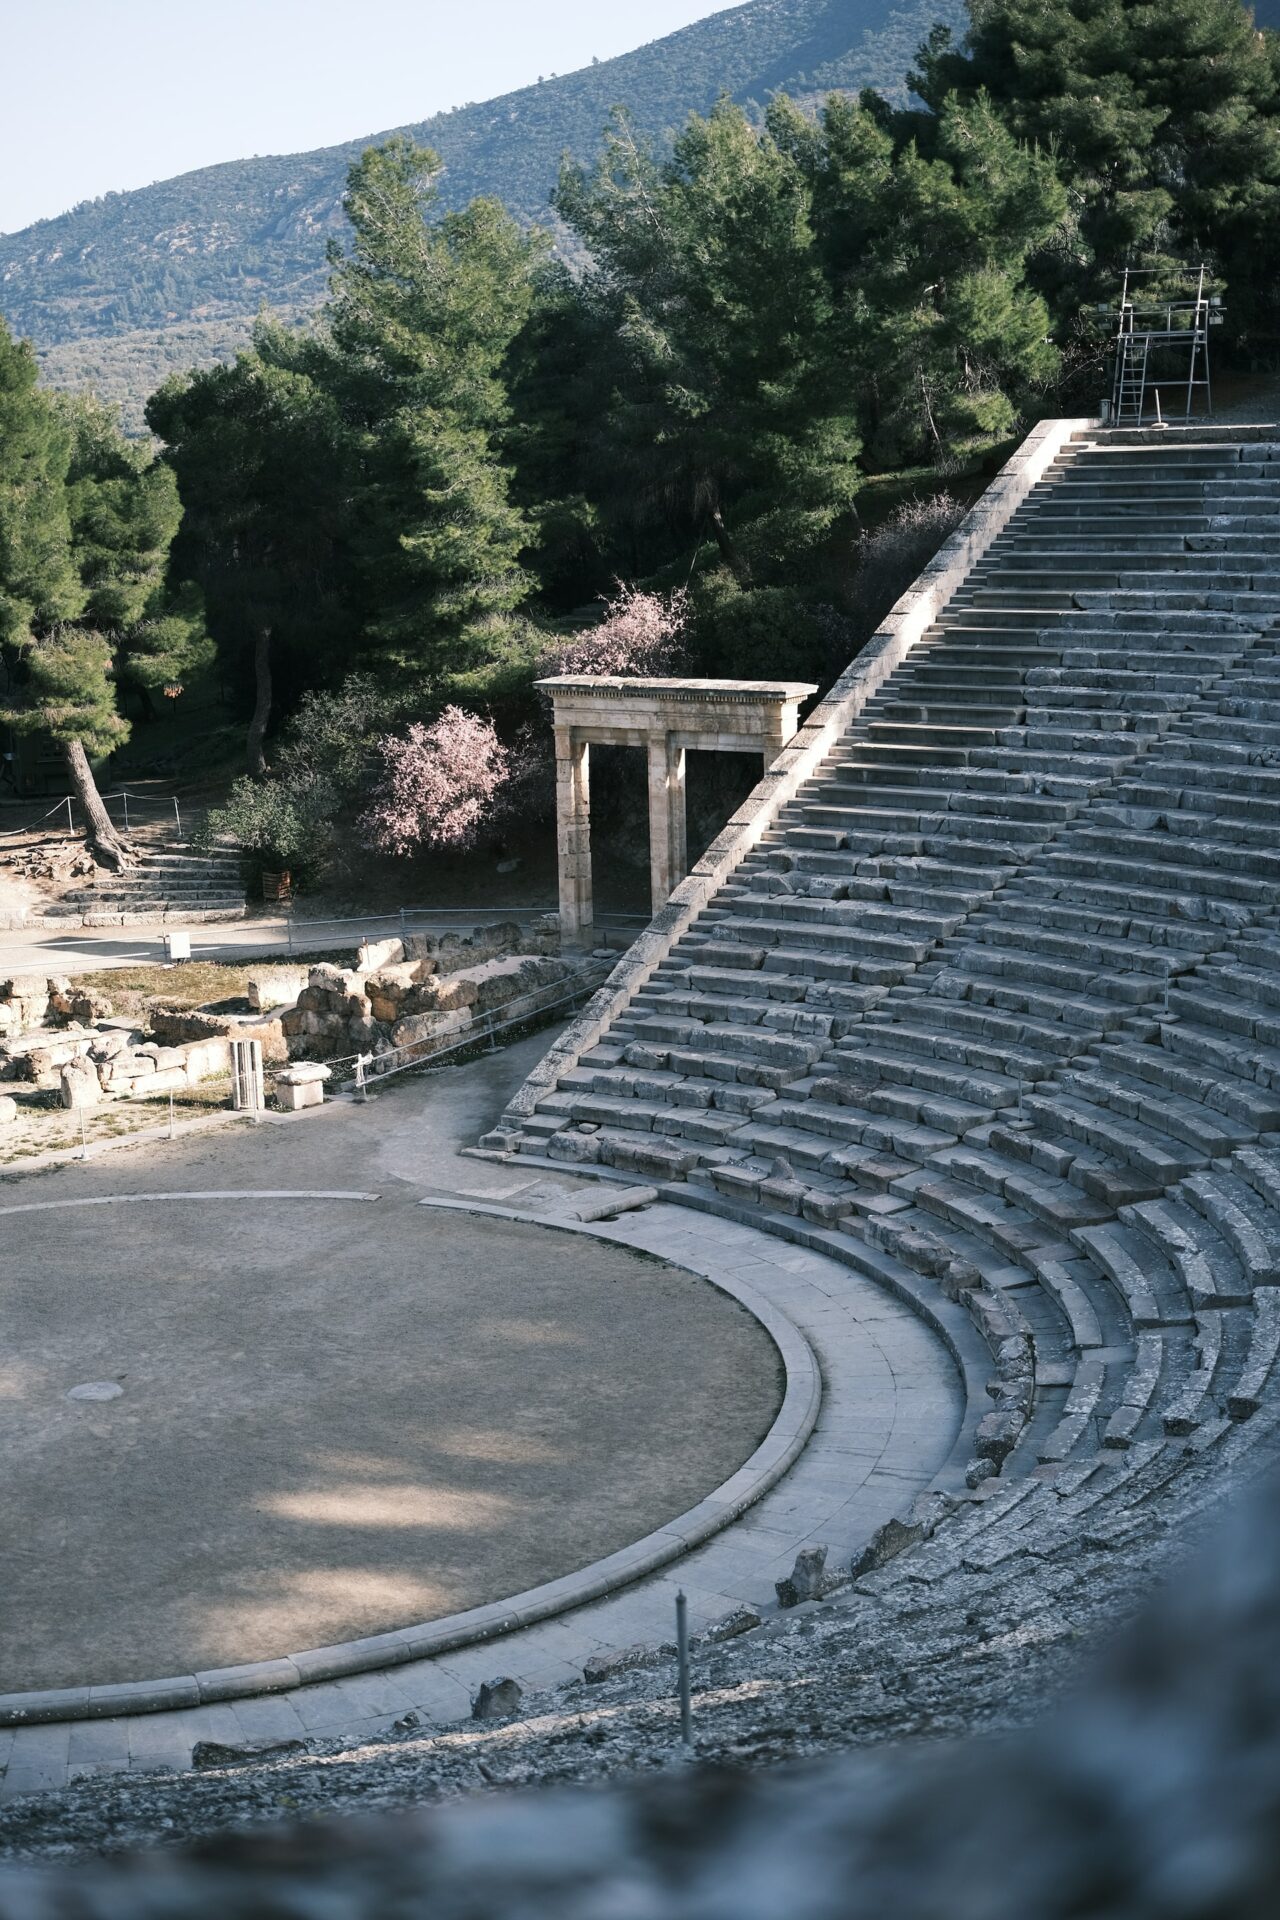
423,990
58,1037
404,996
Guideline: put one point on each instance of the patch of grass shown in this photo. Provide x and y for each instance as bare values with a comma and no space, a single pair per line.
192,983
45,1127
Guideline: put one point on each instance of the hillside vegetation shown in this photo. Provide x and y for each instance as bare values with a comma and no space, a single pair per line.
207,249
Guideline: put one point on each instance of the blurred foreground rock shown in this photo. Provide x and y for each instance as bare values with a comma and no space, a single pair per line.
1153,1795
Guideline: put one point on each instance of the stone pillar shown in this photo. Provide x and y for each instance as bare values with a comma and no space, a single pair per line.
779,727
668,845
573,839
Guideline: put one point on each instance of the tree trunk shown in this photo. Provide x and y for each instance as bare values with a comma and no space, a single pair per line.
728,552
261,703
105,842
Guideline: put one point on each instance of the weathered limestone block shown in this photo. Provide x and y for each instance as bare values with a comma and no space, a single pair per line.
497,1699
175,1026
206,1059
79,1084
108,1046
301,1086
26,996
268,1032
8,1110
329,989
390,988
373,955
460,990
430,1030
164,1056
87,1006
807,1580
41,1058
269,990
165,1080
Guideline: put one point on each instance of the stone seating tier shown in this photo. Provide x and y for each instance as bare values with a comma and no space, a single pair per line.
997,995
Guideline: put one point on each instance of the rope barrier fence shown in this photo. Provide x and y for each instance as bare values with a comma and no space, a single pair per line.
360,1071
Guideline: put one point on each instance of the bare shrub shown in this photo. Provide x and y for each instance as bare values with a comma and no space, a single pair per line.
892,554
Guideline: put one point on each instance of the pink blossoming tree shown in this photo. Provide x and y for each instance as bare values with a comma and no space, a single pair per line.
437,785
640,634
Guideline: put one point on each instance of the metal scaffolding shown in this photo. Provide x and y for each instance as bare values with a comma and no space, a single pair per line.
1154,342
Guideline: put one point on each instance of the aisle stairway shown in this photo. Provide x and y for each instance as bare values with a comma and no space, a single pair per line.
167,882
997,998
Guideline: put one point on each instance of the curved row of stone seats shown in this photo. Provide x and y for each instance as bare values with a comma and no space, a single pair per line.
998,997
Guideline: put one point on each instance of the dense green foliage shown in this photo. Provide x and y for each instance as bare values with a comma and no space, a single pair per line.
39,586
420,320
87,608
1163,119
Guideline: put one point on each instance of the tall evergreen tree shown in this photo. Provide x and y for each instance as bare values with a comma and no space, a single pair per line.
730,411
1163,117
101,611
262,469
84,537
39,583
927,253
420,322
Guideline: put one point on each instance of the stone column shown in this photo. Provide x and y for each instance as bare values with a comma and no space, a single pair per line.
668,846
780,724
573,839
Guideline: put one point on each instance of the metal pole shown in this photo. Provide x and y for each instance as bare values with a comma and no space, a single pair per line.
125,798
70,822
682,1656
177,816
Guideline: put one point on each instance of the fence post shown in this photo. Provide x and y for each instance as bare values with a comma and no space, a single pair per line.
125,798
177,816
682,1661
70,822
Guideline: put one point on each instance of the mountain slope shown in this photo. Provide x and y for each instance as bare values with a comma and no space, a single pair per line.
213,245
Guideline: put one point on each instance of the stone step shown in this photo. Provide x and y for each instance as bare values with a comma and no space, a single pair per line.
1156,1155
1201,1259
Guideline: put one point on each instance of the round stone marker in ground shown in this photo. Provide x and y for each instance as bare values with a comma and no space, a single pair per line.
339,1419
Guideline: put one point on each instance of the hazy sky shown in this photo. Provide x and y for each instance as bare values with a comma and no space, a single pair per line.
107,94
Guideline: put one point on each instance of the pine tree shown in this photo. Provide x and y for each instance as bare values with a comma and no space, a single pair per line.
58,677
928,253
1163,117
107,532
730,412
419,325
262,470
39,584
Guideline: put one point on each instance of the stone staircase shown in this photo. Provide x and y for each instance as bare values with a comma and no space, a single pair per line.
167,883
995,1000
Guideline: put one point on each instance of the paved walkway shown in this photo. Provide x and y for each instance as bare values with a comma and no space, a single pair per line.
889,1416
94,949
